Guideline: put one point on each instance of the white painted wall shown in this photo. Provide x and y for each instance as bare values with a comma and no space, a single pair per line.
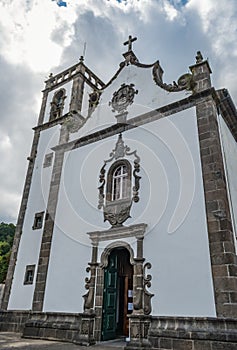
171,203
21,296
229,151
177,246
68,88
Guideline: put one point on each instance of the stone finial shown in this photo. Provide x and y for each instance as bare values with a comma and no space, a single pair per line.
50,75
81,59
199,57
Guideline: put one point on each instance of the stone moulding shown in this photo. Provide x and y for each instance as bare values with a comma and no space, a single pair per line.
137,231
185,82
142,297
141,280
145,118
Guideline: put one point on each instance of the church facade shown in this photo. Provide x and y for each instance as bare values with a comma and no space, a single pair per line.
127,225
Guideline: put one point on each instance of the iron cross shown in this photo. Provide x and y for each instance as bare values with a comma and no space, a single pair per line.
129,42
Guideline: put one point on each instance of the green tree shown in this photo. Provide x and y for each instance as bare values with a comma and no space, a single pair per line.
6,239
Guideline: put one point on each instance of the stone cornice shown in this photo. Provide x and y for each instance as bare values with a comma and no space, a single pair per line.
50,124
142,119
80,68
228,111
137,231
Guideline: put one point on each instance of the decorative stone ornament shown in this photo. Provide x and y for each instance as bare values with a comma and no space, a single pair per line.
123,98
74,121
94,99
117,206
199,58
185,82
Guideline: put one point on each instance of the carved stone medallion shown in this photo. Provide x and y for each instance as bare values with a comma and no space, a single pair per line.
123,98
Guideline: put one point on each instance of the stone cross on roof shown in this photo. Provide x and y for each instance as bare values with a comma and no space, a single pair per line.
129,42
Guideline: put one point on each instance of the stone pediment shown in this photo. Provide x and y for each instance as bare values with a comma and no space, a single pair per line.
135,89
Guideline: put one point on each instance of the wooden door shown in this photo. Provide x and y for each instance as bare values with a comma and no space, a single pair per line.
117,296
110,298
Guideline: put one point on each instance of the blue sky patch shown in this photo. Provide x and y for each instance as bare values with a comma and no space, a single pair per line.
61,3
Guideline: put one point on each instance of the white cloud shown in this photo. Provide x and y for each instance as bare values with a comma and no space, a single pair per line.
27,32
170,11
5,143
219,25
9,211
218,22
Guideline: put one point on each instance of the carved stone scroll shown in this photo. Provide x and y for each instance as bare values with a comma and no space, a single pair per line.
185,82
147,294
142,297
90,282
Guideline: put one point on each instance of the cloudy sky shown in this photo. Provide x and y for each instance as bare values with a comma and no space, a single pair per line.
38,37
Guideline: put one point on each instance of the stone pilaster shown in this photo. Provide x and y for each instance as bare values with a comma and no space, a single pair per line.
220,230
77,94
99,303
90,282
21,216
86,331
45,248
138,279
201,74
138,332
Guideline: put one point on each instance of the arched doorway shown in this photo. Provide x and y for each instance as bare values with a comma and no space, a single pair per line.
117,295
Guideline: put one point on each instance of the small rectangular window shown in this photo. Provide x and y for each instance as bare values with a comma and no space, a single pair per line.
38,221
29,274
48,160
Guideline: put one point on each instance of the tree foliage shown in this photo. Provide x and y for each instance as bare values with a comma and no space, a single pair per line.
6,239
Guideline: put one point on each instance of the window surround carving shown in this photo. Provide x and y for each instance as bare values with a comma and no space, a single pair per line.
57,104
118,211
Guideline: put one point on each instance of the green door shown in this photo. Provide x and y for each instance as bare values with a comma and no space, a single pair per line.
110,298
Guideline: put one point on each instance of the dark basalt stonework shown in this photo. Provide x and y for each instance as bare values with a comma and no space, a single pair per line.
193,333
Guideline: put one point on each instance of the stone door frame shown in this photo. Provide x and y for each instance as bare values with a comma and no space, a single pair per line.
95,283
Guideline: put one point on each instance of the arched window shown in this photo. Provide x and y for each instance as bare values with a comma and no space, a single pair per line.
119,181
57,104
59,98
